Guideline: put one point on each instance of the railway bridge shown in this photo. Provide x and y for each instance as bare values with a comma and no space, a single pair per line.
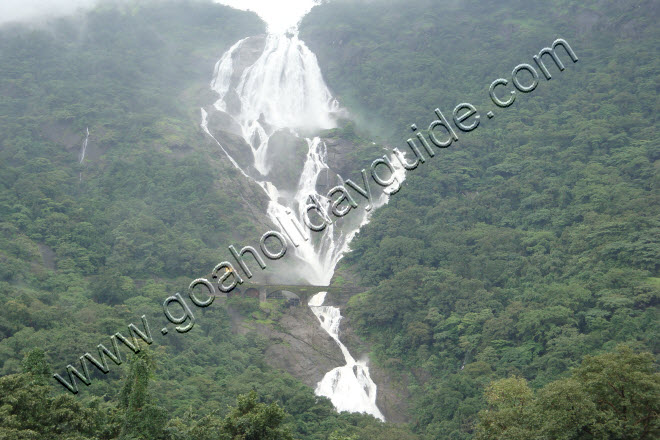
295,293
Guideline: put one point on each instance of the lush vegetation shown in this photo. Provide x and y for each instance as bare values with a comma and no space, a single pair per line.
533,240
30,411
515,276
83,255
122,213
614,395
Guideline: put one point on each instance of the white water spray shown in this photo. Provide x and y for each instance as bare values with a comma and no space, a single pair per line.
284,88
281,89
350,387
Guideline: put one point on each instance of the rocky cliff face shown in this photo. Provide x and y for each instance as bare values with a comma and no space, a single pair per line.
298,345
286,153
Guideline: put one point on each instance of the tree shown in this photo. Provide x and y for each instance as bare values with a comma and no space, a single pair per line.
510,412
611,396
143,419
28,411
253,420
567,410
111,287
625,387
36,364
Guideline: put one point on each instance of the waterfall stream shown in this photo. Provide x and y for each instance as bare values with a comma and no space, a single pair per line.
83,150
350,387
273,85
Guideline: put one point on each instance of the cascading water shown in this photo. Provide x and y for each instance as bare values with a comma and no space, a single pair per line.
83,149
275,86
284,87
284,91
350,387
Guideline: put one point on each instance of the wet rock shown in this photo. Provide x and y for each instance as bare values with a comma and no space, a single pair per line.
301,347
228,133
286,154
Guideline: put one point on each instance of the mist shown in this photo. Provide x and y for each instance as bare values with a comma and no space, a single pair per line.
21,11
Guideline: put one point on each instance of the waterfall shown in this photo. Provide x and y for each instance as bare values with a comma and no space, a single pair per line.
83,149
273,86
350,387
283,91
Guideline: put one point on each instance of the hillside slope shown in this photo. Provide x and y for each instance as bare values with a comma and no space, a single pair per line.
531,241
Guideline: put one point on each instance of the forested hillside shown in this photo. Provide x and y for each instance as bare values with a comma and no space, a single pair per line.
513,280
533,240
87,247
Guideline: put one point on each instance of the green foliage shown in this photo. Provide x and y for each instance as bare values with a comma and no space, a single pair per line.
610,396
253,420
35,363
533,240
529,245
29,412
118,209
143,420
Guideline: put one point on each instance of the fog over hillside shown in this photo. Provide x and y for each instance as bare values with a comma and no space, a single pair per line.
278,15
31,10
329,219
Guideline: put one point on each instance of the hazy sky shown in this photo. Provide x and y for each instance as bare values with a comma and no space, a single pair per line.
279,14
25,10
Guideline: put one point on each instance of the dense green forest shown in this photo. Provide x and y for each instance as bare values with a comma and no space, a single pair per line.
86,249
515,277
533,240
